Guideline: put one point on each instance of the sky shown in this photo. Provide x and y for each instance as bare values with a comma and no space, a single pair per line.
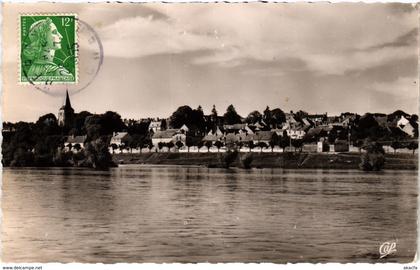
316,57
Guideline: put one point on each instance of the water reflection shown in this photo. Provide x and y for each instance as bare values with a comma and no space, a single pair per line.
194,214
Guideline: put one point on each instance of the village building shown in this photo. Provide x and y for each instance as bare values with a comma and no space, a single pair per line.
169,135
184,129
74,143
402,122
307,123
296,133
263,137
291,121
318,119
234,127
157,125
408,129
118,138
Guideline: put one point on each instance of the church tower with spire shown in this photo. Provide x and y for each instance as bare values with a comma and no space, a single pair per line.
66,113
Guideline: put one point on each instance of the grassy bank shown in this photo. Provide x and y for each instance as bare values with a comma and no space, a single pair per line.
289,160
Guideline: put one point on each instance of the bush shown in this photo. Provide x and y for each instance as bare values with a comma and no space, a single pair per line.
374,158
97,154
247,160
229,157
63,158
22,158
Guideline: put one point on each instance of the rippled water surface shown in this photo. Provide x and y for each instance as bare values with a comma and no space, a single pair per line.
191,214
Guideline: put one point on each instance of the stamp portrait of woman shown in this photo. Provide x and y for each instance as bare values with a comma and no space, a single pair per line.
44,40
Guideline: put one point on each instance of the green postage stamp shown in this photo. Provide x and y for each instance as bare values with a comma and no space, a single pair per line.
48,52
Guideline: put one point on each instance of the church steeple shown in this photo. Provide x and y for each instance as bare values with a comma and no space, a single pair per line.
66,113
67,104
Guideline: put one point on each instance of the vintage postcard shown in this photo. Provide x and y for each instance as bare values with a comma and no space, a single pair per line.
209,132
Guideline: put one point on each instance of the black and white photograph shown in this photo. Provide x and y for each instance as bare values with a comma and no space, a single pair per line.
209,133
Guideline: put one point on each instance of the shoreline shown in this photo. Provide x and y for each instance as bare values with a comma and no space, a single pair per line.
287,160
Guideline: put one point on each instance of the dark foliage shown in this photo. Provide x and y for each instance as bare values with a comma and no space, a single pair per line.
229,157
231,116
247,160
374,157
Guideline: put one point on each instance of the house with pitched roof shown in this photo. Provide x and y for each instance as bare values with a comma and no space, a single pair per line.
169,135
118,138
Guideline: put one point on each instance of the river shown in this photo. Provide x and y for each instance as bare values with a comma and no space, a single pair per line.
193,214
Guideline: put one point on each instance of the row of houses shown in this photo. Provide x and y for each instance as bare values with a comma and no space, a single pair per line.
244,134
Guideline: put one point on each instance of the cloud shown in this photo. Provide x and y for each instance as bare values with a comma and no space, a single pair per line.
402,87
330,38
356,61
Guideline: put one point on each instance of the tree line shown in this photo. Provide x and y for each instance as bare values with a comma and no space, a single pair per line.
42,143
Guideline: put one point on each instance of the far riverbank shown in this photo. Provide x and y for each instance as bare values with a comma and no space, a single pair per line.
288,160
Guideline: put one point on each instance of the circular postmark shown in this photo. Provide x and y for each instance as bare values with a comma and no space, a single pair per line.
83,56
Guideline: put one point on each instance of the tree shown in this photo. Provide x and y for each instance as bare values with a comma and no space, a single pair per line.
114,147
397,115
268,117
218,144
197,122
251,145
161,145
141,129
22,158
200,144
163,125
253,117
121,147
231,116
77,146
46,125
229,157
358,144
93,127
132,144
273,142
247,160
208,144
128,142
111,122
396,145
374,157
332,136
79,123
189,142
413,146
297,143
214,111
137,141
170,145
179,144
278,117
184,115
214,119
45,149
284,141
262,145
301,114
98,155
366,126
